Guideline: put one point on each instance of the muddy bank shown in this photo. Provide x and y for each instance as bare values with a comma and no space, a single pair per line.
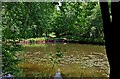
59,40
23,42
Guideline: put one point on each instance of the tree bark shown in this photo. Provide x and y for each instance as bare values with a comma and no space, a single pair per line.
111,39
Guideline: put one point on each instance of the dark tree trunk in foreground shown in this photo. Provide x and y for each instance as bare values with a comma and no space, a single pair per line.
111,30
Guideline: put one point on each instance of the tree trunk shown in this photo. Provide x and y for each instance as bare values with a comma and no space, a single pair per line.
111,40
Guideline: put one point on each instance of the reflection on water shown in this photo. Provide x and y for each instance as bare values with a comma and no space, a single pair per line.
70,48
86,59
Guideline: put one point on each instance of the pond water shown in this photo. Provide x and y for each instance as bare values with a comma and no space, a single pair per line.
78,59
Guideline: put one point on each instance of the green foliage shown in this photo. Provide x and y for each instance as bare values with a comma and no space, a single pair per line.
37,39
79,20
24,20
10,40
39,19
56,57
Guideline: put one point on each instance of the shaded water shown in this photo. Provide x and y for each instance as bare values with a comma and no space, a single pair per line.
69,48
86,59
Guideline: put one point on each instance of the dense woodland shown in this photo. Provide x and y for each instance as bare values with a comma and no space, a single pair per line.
74,20
80,21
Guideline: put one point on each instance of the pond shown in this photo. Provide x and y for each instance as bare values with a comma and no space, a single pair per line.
78,60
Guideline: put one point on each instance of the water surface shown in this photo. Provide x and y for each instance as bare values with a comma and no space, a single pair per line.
86,59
